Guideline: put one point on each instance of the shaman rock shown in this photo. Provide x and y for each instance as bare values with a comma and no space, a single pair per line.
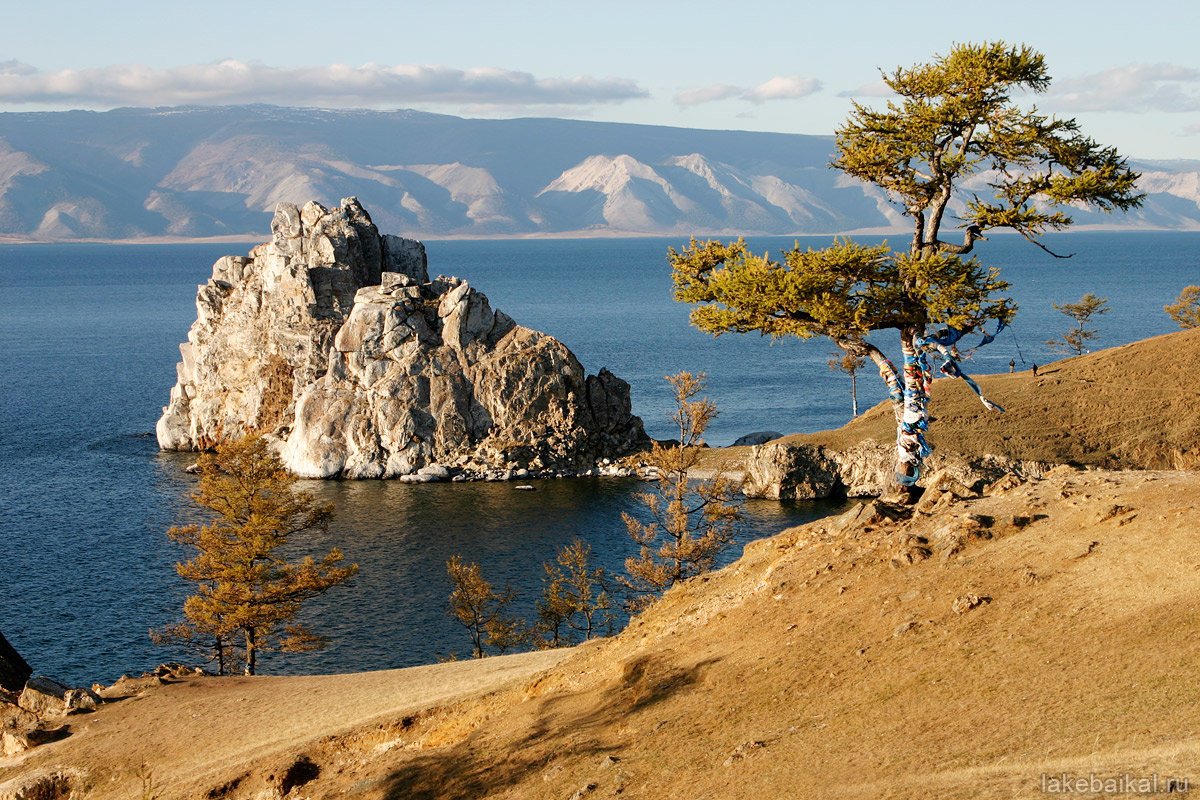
335,342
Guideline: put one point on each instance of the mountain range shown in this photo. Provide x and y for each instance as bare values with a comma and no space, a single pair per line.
194,172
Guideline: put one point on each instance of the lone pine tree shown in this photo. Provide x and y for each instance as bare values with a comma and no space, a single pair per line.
689,523
953,119
1076,339
247,594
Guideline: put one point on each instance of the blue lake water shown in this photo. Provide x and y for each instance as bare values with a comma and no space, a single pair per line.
89,338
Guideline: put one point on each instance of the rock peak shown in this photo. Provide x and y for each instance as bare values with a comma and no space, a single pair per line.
333,340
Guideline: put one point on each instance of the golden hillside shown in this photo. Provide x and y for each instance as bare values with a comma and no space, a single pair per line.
1042,629
1134,406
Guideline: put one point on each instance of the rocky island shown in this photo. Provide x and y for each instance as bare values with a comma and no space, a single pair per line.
333,341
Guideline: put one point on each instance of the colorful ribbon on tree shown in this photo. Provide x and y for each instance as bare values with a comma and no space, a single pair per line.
911,445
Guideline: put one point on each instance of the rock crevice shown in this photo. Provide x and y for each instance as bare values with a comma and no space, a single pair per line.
334,341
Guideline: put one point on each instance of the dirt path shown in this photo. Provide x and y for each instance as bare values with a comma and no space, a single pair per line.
192,734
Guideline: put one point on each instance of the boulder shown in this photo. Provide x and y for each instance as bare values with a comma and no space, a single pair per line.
14,742
758,437
802,470
13,669
46,697
788,471
333,340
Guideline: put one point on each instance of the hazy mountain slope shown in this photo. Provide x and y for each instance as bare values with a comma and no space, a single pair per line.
192,172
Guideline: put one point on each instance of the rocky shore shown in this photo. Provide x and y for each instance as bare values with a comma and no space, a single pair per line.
334,342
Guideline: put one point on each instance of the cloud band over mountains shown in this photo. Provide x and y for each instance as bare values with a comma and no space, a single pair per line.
781,87
338,85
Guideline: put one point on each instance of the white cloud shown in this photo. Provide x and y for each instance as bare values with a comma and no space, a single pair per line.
874,89
707,94
777,88
336,85
14,67
1135,88
783,88
1191,130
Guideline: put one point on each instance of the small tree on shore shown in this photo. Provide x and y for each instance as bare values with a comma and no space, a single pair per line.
482,610
574,600
247,594
1076,339
850,364
1186,308
690,523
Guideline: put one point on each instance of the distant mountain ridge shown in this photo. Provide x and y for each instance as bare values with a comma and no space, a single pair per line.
197,172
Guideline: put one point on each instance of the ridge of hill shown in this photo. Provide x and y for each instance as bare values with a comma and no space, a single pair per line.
218,172
1126,407
1132,406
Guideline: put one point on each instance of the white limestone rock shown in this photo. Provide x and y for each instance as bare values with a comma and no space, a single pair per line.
333,340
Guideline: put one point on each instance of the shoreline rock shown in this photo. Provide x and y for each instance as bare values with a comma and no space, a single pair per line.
334,342
805,471
14,670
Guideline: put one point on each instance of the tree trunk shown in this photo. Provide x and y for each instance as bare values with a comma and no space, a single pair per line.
910,440
854,393
251,651
477,638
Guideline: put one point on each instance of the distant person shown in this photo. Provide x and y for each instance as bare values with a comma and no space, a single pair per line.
1035,370
1012,366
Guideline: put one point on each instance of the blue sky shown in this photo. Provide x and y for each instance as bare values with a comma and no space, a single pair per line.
1130,72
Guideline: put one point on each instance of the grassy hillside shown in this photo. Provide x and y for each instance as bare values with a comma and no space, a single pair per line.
1136,406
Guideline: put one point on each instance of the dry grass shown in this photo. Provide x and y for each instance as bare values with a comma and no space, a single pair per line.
1047,628
1128,407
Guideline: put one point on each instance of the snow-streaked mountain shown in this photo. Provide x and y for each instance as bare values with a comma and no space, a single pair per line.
195,172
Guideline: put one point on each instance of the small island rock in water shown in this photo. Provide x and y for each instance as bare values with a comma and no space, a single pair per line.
332,340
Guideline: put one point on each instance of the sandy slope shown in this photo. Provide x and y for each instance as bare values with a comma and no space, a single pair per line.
195,733
830,661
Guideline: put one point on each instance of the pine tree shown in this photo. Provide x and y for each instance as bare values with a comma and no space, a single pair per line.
1076,339
482,610
850,364
953,119
1186,308
574,598
691,524
247,594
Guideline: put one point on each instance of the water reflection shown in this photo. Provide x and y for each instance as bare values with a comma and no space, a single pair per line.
394,611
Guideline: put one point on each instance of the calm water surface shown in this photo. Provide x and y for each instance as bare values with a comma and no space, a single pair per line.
89,338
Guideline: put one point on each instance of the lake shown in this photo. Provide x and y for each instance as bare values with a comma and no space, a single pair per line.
89,338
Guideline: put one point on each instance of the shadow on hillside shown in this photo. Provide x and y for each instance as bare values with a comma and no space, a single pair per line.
477,768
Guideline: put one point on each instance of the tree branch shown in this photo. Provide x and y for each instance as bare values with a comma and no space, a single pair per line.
1032,240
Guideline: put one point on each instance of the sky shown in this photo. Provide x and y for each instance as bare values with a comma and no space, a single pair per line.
1129,72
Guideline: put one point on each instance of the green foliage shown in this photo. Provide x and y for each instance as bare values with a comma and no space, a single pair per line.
1076,339
690,523
1186,308
245,589
844,291
954,118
